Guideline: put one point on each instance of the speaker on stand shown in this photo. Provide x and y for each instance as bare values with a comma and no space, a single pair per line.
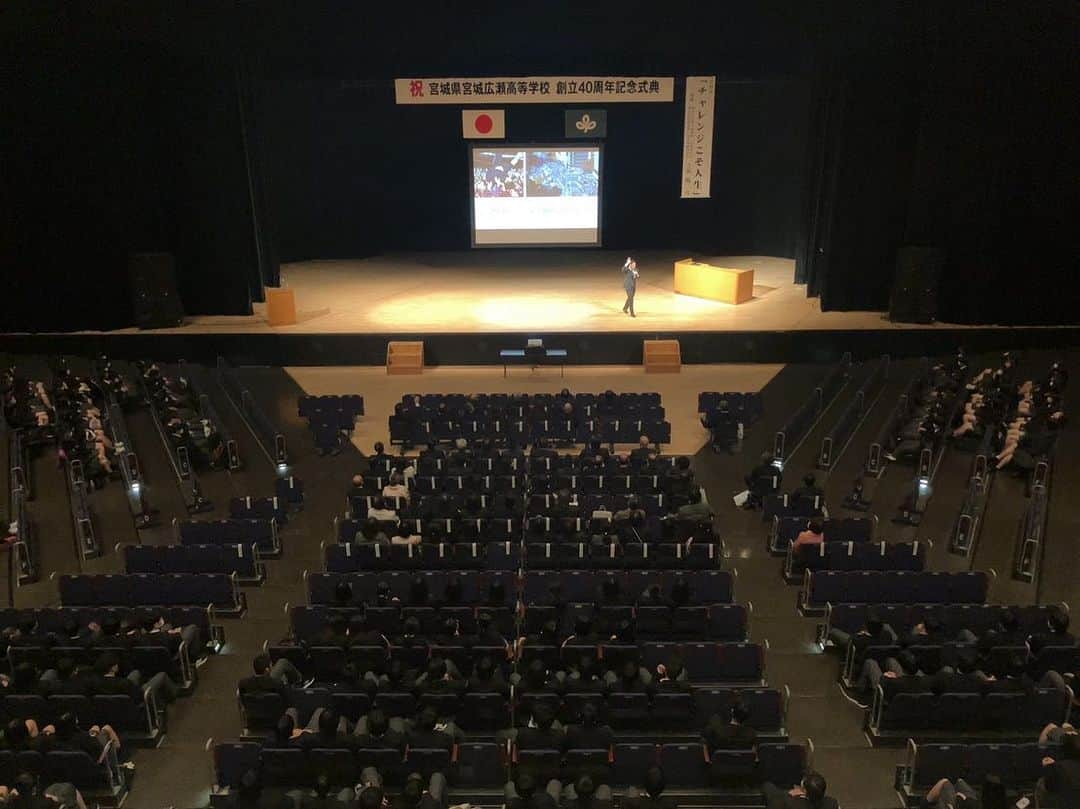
154,298
914,297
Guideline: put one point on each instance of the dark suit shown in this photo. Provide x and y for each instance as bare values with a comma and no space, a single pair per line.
630,285
776,798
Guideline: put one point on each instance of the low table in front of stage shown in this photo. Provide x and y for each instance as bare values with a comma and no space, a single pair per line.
533,356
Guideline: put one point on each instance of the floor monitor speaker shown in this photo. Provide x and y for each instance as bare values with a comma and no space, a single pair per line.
153,290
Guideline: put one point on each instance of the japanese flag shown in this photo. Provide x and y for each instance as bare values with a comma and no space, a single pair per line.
483,123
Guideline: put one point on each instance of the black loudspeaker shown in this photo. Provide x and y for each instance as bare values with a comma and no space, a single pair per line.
153,290
914,296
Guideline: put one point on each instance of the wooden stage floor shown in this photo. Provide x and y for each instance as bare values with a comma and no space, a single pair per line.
528,290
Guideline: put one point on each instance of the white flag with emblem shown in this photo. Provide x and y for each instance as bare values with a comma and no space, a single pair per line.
483,123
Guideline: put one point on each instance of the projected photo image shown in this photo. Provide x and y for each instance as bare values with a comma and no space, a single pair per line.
563,174
539,195
499,174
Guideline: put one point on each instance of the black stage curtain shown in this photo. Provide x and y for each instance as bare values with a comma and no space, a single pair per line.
957,129
114,143
354,174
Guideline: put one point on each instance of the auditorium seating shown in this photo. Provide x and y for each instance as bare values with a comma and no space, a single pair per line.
901,617
330,418
485,764
557,586
785,529
104,781
744,407
228,559
260,532
217,590
259,508
892,587
849,556
1018,765
523,418
950,716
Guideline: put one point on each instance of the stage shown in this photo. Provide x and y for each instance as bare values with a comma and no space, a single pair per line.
468,305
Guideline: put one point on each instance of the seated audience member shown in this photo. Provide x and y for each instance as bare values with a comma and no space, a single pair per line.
873,632
66,735
325,729
396,487
813,535
370,533
373,732
521,793
731,734
697,508
947,795
1057,629
414,795
643,454
1060,782
651,795
487,678
381,511
379,461
809,490
109,681
631,679
810,794
591,734
583,793
762,480
275,679
427,734
542,732
356,487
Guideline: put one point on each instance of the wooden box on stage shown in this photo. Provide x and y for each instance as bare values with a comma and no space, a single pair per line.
715,283
280,306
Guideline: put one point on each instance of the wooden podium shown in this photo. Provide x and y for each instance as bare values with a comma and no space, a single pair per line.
715,283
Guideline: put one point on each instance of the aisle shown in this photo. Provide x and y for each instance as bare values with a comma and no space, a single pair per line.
858,775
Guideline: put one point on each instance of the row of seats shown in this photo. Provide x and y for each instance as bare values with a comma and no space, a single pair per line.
744,407
897,587
65,766
143,589
411,430
228,559
316,407
931,657
259,508
148,660
55,619
1018,715
705,661
715,621
260,532
539,587
350,558
1018,765
979,618
137,722
835,529
685,765
849,556
520,405
496,462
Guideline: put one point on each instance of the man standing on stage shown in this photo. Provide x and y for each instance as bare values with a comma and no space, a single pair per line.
630,276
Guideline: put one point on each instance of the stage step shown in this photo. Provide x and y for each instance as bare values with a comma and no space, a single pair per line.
662,356
405,357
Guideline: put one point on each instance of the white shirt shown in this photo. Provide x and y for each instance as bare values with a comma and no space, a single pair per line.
396,490
383,514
